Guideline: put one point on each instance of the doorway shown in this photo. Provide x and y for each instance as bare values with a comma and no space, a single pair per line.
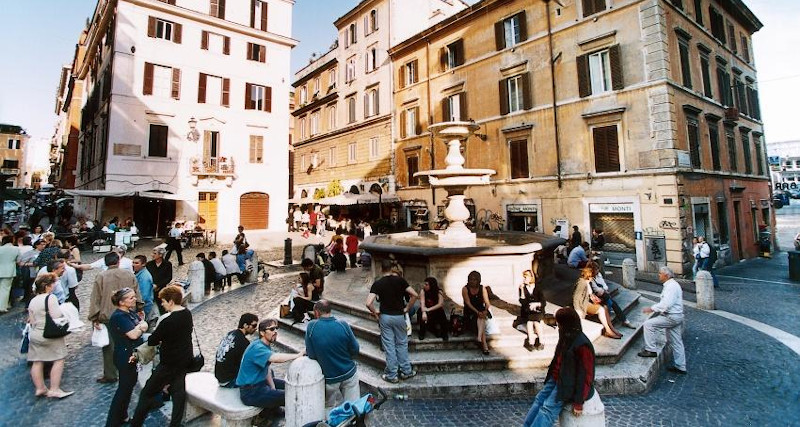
153,215
207,210
738,228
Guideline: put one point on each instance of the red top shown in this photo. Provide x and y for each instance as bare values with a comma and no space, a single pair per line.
585,359
352,244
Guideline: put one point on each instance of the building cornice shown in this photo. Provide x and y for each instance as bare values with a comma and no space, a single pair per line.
314,104
321,69
347,129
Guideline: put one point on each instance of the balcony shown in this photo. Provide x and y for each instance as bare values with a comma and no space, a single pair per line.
9,171
211,167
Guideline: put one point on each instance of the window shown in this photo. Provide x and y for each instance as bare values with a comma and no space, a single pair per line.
373,148
303,162
515,94
314,123
256,52
706,74
724,85
373,21
722,220
258,15
215,43
158,141
731,139
163,29
745,48
332,117
510,31
217,8
258,97
748,160
332,156
303,95
409,122
350,69
717,24
732,38
256,149
590,7
740,95
600,72
162,82
408,73
698,11
412,165
606,149
454,108
686,71
207,88
371,59
713,134
452,55
351,109
351,33
13,144
759,154
752,100
315,94
302,126
332,78
693,139
518,158
371,103
678,4
351,152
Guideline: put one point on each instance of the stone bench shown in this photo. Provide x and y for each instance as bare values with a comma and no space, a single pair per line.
203,394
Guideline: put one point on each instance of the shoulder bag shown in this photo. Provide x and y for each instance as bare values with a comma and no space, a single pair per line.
198,360
51,328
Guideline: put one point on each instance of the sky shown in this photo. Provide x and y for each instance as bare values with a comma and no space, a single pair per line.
35,45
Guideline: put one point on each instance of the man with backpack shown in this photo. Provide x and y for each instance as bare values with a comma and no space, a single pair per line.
708,257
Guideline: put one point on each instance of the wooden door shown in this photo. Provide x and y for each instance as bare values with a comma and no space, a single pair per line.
207,210
254,211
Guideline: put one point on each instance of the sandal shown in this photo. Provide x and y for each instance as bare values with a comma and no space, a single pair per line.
41,393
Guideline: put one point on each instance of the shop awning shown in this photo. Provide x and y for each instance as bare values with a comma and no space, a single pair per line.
162,196
99,193
349,199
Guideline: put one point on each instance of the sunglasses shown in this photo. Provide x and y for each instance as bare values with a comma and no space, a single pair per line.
271,328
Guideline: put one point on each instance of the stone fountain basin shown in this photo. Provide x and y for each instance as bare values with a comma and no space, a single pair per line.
500,257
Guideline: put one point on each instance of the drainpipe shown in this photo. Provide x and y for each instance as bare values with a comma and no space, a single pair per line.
432,151
553,87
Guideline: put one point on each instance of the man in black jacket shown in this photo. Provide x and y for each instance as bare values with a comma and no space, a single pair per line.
231,349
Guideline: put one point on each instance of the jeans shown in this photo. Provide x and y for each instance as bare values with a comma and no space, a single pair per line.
163,375
118,411
546,407
241,260
672,324
395,344
345,391
705,264
262,396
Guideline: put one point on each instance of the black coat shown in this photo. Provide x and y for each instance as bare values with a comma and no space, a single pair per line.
571,373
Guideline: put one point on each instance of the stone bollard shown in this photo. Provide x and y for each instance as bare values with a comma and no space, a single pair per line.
305,392
287,251
197,280
593,415
704,284
252,277
629,273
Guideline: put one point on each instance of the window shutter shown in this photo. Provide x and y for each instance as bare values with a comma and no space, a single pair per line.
523,26
206,144
226,45
615,60
446,109
264,16
587,7
600,157
462,103
503,97
417,125
402,76
252,148
213,9
221,9
443,58
178,33
366,25
376,102
201,89
527,103
599,6
204,40
366,104
249,103
612,147
252,25
226,92
176,83
499,36
262,54
148,79
459,54
584,87
268,99
151,26
403,124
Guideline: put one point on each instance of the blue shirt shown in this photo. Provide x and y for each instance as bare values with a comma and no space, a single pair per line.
145,281
577,255
331,343
255,364
120,323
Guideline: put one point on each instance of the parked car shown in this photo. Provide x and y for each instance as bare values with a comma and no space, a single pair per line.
794,193
780,199
11,206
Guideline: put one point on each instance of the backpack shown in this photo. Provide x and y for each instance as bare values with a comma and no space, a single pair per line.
712,255
456,323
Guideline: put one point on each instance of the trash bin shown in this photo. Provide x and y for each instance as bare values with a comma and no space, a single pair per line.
794,265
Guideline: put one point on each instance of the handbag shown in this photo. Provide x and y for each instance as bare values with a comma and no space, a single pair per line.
145,353
492,327
456,323
198,360
285,311
26,340
51,328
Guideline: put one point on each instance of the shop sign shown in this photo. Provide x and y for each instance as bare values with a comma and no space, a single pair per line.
610,208
521,209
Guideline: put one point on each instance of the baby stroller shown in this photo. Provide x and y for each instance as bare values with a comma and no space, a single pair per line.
351,413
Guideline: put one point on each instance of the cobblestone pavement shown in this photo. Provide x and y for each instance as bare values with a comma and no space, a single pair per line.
737,376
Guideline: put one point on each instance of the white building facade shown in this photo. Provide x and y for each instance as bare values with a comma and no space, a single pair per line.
185,109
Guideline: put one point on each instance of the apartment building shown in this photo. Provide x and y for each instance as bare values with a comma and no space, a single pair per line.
178,119
68,103
13,146
784,164
637,117
343,116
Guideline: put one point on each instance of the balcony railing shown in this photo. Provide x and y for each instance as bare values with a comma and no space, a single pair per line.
9,171
211,166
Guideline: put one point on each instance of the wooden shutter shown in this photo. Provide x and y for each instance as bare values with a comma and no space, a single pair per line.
201,89
206,144
588,6
366,104
606,149
599,6
615,60
226,45
262,54
176,83
458,46
417,125
403,124
499,36
252,24
366,25
213,9
503,97
221,14
204,40
446,109
178,34
377,102
264,6
226,92
462,104
443,58
252,148
527,103
148,79
249,102
401,76
268,99
584,85
151,26
523,26
518,153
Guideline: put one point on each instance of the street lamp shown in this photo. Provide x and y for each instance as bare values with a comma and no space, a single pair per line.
194,134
